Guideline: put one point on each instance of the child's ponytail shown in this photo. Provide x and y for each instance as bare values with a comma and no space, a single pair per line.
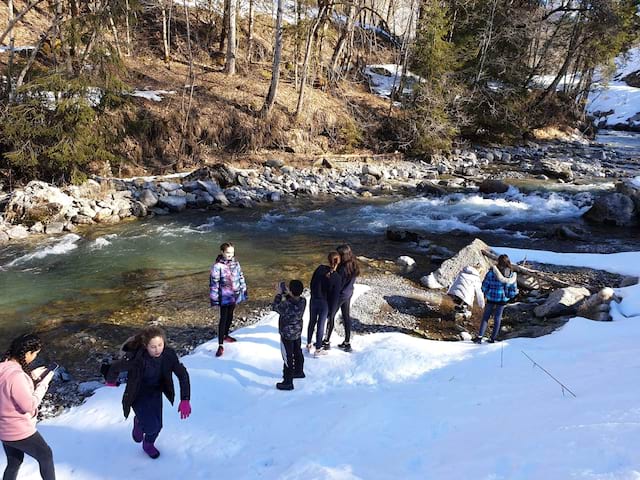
334,261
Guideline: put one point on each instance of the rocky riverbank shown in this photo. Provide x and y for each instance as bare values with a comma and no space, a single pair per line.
40,208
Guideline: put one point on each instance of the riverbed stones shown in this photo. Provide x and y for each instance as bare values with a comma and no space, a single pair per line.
148,198
54,228
563,301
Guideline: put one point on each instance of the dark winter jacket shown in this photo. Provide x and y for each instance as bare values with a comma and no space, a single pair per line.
499,288
133,362
326,288
226,282
348,282
291,310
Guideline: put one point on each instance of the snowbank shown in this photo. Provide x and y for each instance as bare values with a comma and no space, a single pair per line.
155,95
385,78
397,407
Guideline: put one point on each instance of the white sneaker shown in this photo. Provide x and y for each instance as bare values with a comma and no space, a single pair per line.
309,347
320,352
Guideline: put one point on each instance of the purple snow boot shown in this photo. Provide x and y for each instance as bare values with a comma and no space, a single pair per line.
137,433
150,449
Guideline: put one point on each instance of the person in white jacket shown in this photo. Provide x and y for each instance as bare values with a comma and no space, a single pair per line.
465,289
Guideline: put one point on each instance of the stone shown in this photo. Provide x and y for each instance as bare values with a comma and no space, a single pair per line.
613,208
493,186
54,228
471,255
17,232
138,209
555,169
274,163
173,203
221,198
430,282
169,186
406,262
563,301
427,187
37,227
368,180
400,235
372,170
102,215
4,238
274,196
204,199
223,174
630,189
209,186
148,198
82,220
70,227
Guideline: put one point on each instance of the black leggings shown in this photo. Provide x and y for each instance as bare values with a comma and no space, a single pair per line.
344,305
226,316
35,447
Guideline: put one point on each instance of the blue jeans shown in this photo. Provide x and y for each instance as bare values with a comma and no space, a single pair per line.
318,312
496,310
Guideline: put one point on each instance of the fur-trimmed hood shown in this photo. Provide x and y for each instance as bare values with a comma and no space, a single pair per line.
510,280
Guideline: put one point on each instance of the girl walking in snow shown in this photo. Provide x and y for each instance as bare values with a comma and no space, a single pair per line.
21,392
499,286
349,271
227,288
326,284
150,365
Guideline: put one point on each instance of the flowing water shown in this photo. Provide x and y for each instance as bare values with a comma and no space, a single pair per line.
119,275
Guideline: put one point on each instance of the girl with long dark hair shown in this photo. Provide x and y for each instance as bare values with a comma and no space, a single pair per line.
349,271
150,364
21,392
499,287
325,287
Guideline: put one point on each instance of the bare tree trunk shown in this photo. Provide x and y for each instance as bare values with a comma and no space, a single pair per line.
275,72
487,41
230,64
225,21
191,78
250,32
165,32
127,13
307,56
114,31
12,41
34,53
344,34
16,18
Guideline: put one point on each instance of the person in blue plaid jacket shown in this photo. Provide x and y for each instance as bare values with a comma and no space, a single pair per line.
499,287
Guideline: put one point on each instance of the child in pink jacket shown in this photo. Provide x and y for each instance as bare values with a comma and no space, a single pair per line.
21,392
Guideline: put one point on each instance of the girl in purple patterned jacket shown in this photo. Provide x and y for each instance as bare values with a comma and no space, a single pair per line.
227,288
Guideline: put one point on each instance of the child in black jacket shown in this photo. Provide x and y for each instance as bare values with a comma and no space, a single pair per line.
290,305
150,364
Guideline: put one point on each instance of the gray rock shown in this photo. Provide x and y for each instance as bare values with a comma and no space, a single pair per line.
169,186
368,180
37,227
563,301
221,198
372,170
493,186
148,198
4,238
274,163
173,203
138,209
405,262
469,255
210,187
613,208
555,169
160,211
70,227
204,199
274,196
17,232
429,188
102,215
631,190
82,220
54,228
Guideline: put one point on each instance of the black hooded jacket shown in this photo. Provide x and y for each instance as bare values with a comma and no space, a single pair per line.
133,363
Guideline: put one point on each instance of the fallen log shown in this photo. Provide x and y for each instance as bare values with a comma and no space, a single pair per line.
528,271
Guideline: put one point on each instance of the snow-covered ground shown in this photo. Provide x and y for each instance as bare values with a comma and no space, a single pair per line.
616,103
155,95
385,78
398,407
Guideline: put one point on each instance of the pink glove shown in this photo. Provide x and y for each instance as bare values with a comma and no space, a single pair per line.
110,384
185,409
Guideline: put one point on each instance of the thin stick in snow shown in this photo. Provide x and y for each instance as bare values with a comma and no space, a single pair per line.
562,385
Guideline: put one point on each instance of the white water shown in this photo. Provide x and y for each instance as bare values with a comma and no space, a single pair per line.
60,247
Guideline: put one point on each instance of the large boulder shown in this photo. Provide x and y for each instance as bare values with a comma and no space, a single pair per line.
469,255
148,198
223,174
427,187
555,169
38,202
613,208
17,233
493,186
630,188
563,301
173,203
